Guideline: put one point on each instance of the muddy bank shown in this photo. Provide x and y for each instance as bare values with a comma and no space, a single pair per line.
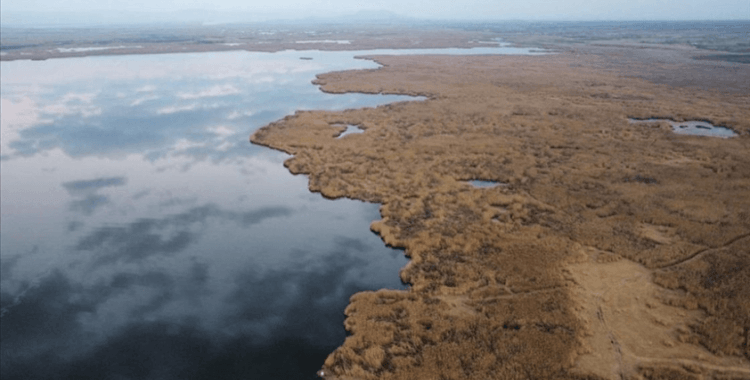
573,269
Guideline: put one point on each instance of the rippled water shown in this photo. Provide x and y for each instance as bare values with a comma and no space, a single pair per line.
142,236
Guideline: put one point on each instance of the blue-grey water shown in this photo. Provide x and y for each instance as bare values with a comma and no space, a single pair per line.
483,184
694,127
350,129
143,237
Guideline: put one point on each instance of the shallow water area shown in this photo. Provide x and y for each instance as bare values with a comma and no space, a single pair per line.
143,236
94,48
351,129
695,128
485,184
339,42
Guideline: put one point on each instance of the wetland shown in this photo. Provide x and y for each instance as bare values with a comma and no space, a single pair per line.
139,226
137,221
614,251
142,234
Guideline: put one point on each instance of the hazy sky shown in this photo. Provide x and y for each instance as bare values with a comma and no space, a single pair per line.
474,9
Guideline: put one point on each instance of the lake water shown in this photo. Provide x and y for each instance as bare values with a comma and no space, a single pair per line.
485,184
350,129
694,127
143,236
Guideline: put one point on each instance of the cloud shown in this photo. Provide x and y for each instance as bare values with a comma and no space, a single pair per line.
175,109
45,316
225,146
222,131
349,244
117,133
215,91
89,201
145,238
79,97
298,301
143,99
177,350
147,88
162,291
134,242
17,115
237,114
89,204
7,264
185,144
86,186
45,335
74,226
73,104
278,323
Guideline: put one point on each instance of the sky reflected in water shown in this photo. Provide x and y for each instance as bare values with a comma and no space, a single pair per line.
143,236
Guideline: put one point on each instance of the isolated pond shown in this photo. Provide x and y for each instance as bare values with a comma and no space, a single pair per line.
695,128
142,236
350,129
485,184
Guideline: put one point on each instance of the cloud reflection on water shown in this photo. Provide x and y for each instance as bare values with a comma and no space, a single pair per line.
268,318
85,190
89,204
105,127
144,237
84,186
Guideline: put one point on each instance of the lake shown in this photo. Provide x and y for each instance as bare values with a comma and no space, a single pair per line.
143,236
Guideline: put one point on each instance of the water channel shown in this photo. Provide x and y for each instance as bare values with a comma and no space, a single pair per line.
143,236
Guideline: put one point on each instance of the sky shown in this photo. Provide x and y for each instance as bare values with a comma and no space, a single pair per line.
428,9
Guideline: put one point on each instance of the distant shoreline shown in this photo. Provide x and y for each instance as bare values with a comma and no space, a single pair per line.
43,46
719,40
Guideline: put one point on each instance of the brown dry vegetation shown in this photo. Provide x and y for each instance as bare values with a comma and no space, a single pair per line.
612,251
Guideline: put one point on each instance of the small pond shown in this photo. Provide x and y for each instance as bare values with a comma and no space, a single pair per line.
695,128
350,129
485,184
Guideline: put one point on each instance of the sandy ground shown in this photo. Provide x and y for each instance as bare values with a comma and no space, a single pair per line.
610,251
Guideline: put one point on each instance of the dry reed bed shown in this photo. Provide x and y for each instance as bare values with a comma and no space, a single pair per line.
614,251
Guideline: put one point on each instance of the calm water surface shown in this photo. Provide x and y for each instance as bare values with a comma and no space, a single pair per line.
695,127
142,236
